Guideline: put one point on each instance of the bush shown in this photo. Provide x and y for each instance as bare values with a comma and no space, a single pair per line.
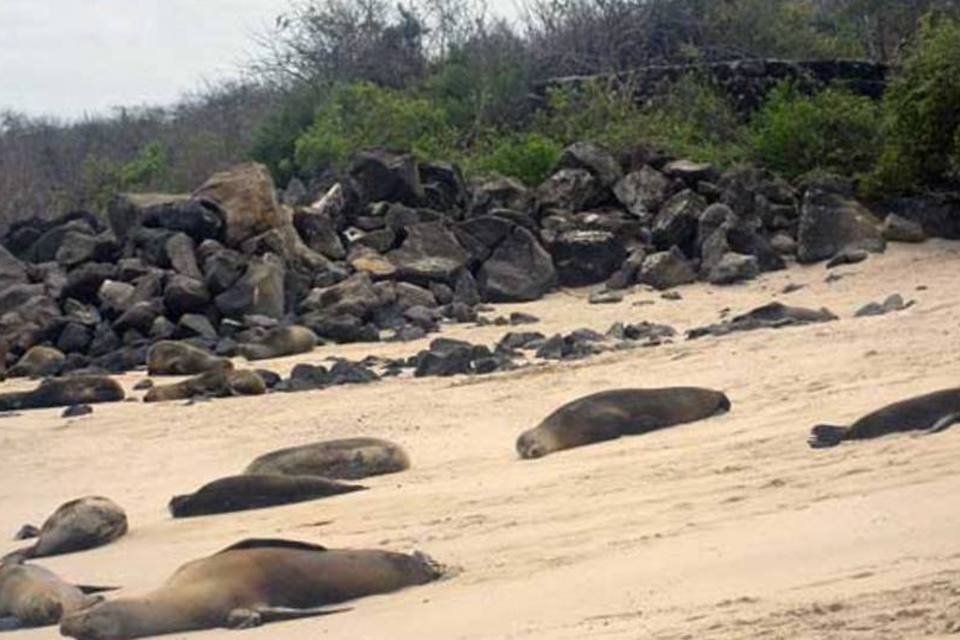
921,114
275,139
361,116
690,118
833,130
528,157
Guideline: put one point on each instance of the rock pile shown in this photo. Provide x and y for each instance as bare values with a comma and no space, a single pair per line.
392,250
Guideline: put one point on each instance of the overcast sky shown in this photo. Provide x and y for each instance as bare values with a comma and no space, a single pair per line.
70,57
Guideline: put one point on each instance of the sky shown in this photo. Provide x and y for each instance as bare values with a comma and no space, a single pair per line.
68,58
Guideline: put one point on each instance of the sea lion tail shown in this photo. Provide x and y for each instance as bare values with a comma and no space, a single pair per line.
827,435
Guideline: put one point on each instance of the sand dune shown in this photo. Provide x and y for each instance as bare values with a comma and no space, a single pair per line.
726,528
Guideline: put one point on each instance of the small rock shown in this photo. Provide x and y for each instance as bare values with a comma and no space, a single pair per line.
76,410
519,317
605,297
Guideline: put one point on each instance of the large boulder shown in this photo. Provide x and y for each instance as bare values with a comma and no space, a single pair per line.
246,197
677,222
570,189
181,252
260,291
519,270
429,252
586,257
185,295
355,296
77,248
319,232
642,192
12,271
382,176
831,223
600,163
173,212
937,214
733,267
500,193
667,269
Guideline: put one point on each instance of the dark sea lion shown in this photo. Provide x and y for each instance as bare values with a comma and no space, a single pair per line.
349,459
64,392
238,493
35,597
280,342
220,383
610,414
932,412
80,524
252,582
37,362
172,358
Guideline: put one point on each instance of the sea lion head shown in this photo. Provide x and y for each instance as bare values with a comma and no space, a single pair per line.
535,443
102,621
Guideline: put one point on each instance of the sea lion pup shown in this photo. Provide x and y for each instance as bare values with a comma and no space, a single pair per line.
239,493
348,459
280,342
249,583
37,597
611,414
37,362
80,524
172,358
933,412
220,383
63,392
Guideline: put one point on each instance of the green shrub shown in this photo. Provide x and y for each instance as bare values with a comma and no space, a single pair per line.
833,130
275,139
528,157
360,116
690,118
921,111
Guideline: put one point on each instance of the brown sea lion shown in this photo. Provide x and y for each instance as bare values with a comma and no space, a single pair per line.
610,414
349,458
932,412
37,362
80,524
220,383
172,358
238,493
35,597
64,392
249,583
280,342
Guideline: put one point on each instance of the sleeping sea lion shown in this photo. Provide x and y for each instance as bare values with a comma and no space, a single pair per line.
933,412
219,383
238,493
249,583
348,458
280,342
173,358
80,524
611,414
35,597
64,392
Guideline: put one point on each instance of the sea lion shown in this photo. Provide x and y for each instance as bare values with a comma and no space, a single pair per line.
35,597
64,392
610,414
933,412
219,383
249,583
349,459
172,358
80,524
775,315
38,362
238,493
280,342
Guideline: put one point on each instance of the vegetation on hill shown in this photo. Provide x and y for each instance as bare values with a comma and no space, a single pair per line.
443,80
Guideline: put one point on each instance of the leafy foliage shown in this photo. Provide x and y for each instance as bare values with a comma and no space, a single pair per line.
528,157
833,130
921,114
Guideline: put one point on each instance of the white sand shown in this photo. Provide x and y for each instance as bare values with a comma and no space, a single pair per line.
727,528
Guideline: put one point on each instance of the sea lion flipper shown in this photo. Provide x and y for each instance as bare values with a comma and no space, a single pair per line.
93,588
277,614
826,435
943,423
10,623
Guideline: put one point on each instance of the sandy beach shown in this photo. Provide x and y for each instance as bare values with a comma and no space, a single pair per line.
726,528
